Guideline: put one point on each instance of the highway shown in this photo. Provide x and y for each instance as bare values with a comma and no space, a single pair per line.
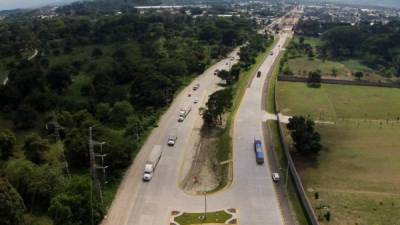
252,191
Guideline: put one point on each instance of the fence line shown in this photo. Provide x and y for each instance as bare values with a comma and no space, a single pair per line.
342,82
310,214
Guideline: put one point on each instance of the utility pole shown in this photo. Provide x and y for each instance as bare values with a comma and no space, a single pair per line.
93,165
205,205
60,146
93,170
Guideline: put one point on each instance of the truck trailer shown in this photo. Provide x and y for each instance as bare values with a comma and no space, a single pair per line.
152,162
258,151
184,111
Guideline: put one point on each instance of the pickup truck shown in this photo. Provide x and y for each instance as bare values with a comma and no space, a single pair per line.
173,136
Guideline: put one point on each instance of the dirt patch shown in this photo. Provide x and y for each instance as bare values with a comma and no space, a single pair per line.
203,174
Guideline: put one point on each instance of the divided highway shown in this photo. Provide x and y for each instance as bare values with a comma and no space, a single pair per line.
252,191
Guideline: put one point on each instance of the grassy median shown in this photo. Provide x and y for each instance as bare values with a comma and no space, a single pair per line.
197,218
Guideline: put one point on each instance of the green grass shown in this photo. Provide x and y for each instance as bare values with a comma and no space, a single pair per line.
73,92
356,171
293,198
212,217
314,42
301,66
332,102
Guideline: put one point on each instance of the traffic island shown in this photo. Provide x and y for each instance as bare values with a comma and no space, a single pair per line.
228,216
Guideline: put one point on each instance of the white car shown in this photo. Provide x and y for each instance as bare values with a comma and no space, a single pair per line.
196,100
275,177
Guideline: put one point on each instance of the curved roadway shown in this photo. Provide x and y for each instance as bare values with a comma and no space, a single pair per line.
252,191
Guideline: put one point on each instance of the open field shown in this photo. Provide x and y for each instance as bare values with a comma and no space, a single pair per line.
356,173
303,65
333,102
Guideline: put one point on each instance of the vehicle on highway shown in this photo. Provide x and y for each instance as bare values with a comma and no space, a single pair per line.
258,151
196,100
259,74
272,53
152,162
216,72
172,137
184,111
275,177
195,87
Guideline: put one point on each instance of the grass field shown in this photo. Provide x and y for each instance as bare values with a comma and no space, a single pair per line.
303,65
356,173
196,218
332,102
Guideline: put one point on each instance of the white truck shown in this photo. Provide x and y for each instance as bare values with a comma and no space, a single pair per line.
152,162
184,111
173,136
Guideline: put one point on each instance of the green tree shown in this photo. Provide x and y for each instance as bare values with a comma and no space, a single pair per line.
334,72
12,207
314,78
36,148
217,105
73,204
7,144
19,173
103,111
120,112
76,149
59,78
305,138
359,75
25,117
287,71
97,52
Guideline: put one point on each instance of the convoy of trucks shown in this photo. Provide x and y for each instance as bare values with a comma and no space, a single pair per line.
152,162
258,151
184,111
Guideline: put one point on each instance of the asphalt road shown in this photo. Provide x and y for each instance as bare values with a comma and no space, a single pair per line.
252,191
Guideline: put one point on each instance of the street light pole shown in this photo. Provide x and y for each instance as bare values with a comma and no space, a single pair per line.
205,205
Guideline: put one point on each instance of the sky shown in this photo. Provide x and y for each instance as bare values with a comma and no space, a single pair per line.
13,4
387,3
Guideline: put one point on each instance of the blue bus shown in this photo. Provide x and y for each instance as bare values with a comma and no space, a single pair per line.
258,151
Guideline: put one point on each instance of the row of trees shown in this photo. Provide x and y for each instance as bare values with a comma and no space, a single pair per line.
221,101
376,45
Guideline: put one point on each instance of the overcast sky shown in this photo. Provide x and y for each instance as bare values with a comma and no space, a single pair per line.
13,4
388,3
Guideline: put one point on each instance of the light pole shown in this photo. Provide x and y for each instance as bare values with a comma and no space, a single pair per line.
205,205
